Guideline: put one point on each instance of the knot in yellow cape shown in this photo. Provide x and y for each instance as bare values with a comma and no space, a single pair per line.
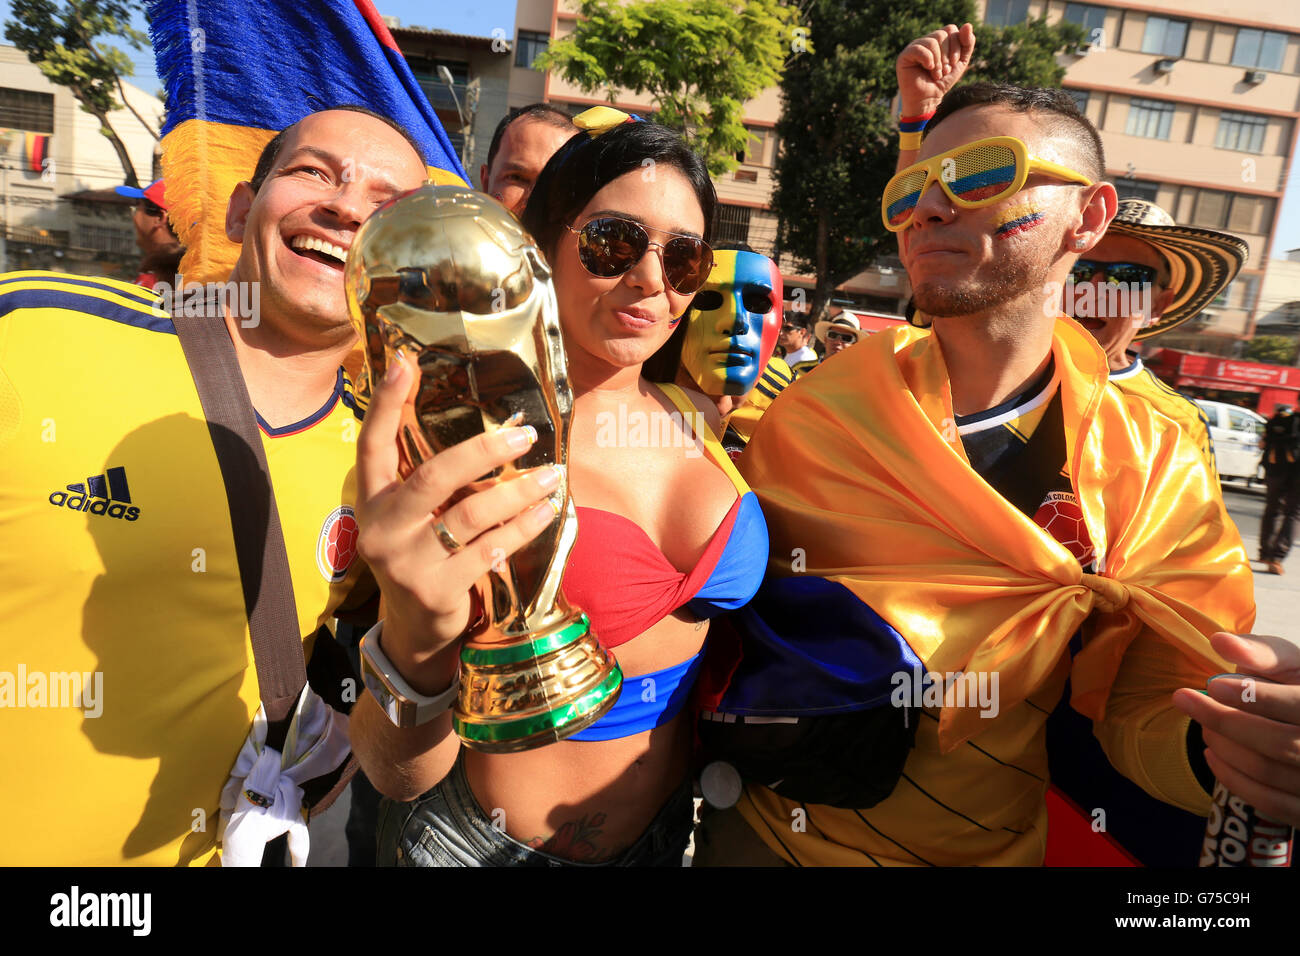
1108,596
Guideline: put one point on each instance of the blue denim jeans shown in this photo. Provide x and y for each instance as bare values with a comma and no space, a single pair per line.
447,827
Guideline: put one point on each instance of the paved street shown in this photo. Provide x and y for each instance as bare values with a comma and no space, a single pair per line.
1277,597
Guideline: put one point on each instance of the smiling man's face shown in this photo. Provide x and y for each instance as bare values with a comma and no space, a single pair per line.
332,171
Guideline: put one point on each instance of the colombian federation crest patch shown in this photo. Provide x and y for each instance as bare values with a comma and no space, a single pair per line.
336,547
1061,517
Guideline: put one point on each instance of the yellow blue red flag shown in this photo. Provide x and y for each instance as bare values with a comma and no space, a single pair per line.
236,73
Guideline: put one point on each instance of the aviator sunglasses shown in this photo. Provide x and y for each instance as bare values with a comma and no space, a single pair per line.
833,336
976,174
610,246
1126,273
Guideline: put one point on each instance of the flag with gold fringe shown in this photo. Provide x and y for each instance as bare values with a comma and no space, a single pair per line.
236,73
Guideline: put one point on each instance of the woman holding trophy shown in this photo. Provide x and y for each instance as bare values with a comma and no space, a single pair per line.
667,533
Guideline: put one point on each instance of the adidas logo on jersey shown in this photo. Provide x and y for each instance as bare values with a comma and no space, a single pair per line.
105,494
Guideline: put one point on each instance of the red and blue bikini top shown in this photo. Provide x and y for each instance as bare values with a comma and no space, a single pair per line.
625,584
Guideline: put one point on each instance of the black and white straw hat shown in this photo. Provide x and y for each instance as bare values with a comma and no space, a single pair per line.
1201,261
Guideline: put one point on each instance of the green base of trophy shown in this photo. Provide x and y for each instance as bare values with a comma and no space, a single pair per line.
534,691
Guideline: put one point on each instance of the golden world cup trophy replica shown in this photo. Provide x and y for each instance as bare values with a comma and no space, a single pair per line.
450,275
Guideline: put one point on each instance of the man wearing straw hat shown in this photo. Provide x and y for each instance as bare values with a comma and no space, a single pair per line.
838,333
1146,276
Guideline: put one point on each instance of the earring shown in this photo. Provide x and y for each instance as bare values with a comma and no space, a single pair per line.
673,323
1080,243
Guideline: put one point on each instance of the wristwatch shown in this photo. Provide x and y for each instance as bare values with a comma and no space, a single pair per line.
405,706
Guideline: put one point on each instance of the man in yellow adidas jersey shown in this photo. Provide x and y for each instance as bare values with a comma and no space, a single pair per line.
127,684
947,507
1146,276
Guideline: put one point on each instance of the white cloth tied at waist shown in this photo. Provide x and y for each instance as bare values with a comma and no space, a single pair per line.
317,743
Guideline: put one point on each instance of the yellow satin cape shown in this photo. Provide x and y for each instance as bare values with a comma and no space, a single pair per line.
863,480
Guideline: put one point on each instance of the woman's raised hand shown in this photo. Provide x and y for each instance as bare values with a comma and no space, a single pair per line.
425,577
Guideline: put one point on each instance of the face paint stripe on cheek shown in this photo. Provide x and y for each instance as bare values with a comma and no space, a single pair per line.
1017,219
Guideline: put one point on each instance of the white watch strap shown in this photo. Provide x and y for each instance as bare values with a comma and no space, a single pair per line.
404,705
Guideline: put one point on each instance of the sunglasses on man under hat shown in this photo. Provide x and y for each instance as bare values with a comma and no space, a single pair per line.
976,174
1127,273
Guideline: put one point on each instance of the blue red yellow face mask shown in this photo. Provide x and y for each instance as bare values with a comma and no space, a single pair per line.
732,324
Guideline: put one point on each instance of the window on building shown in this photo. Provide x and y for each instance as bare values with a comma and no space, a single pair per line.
1241,131
1149,118
1259,49
1210,209
731,224
1251,214
25,110
1249,288
1006,13
1136,189
1080,98
435,87
755,150
1165,37
106,239
529,46
1091,18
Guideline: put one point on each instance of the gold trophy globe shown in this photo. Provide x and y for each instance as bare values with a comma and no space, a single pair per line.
449,275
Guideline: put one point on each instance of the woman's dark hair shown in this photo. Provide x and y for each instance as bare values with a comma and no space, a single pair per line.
667,359
584,166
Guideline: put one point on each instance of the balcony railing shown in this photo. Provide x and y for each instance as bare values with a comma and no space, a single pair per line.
56,238
439,95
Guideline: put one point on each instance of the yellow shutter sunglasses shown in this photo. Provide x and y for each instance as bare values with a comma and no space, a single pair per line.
976,174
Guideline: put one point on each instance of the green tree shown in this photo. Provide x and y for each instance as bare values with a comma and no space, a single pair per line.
838,133
698,60
1275,349
66,41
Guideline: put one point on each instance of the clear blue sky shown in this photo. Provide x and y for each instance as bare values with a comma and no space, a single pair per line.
480,17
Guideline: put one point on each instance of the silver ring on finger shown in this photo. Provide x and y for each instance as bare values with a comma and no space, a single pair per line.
446,537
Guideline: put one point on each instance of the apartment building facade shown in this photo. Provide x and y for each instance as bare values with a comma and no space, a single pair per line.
466,79
744,195
1197,102
1197,107
1278,310
57,173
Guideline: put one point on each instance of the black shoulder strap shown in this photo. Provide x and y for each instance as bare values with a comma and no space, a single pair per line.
259,539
